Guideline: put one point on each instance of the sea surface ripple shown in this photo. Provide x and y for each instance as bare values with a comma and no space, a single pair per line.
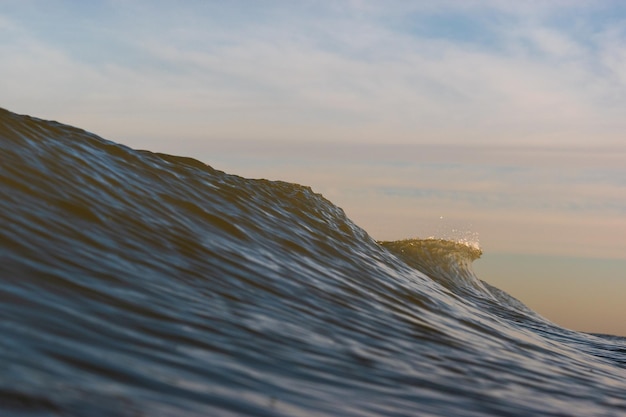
135,283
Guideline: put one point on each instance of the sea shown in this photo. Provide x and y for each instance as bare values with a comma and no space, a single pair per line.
135,283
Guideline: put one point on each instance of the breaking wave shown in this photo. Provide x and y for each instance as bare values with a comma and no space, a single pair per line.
141,284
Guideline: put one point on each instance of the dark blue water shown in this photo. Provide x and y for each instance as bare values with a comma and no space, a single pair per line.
143,284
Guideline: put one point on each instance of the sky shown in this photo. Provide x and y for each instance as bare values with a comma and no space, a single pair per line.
495,121
466,71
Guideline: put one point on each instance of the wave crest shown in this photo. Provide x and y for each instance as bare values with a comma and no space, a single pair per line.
446,261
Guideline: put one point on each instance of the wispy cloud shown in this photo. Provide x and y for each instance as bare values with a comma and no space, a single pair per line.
475,71
565,201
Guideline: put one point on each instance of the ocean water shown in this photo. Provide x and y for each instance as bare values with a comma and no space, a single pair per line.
135,283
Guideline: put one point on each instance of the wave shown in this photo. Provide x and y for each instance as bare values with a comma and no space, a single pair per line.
137,283
449,262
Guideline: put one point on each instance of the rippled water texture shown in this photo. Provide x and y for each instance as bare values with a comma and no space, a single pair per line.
143,284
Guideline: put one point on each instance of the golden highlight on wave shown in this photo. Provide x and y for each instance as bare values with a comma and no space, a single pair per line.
447,261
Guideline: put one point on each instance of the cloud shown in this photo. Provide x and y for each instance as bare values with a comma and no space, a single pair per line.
350,71
565,200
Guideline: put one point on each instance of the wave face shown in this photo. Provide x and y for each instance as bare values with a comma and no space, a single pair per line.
141,284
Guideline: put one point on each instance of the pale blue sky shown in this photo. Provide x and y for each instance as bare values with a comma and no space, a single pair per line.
541,72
